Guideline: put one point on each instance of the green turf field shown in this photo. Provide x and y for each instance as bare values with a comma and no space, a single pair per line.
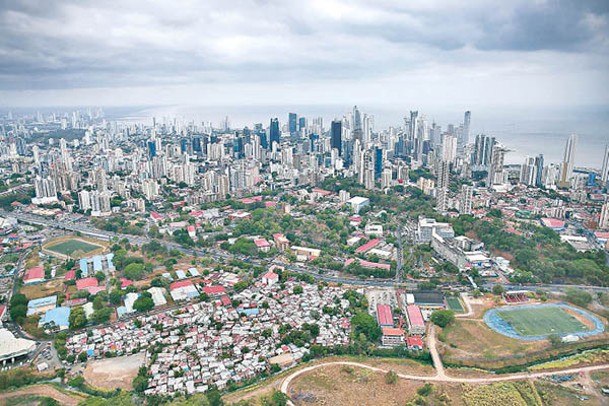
70,246
542,321
454,304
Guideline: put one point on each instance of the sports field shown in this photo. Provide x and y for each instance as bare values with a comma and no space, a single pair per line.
73,245
540,321
454,304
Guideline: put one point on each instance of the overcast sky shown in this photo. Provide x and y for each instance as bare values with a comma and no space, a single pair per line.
415,52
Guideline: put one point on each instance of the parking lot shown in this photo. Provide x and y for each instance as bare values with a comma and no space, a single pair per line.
381,296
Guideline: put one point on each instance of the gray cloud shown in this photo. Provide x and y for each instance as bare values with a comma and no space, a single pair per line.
90,44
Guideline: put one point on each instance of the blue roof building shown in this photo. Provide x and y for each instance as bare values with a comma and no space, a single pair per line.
109,258
60,316
97,263
180,274
41,305
84,267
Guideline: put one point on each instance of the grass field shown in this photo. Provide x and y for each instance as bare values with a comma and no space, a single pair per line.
454,304
71,246
542,321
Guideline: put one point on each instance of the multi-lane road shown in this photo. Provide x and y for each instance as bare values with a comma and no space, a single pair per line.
326,276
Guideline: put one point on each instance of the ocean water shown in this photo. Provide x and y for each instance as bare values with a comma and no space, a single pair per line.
525,131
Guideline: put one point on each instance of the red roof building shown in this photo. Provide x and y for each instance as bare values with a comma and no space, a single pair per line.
85,283
384,316
214,290
70,275
34,275
414,343
180,284
368,246
554,224
125,282
416,324
225,300
392,336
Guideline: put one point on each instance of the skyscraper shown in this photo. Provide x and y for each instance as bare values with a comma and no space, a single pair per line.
442,186
358,133
539,170
605,169
336,136
293,123
566,171
495,173
483,149
274,133
357,119
463,138
378,162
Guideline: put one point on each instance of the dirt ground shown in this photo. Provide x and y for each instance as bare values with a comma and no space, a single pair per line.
40,390
42,289
114,373
343,385
471,338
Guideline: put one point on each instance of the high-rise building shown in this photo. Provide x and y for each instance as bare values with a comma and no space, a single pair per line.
495,173
466,199
292,123
482,153
539,170
442,186
604,220
46,191
274,133
302,123
336,136
449,148
463,138
528,172
605,168
568,161
378,162
151,149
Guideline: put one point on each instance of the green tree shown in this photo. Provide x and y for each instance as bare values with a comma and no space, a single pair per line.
498,290
365,324
442,318
391,378
134,271
115,296
297,290
77,318
144,303
18,313
102,315
140,383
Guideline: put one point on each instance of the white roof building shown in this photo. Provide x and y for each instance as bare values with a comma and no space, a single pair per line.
12,347
158,296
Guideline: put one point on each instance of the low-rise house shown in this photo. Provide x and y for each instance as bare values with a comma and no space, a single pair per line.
183,290
58,317
416,324
41,305
33,275
392,336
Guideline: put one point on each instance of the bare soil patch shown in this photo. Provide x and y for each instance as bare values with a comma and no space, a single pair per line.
114,373
41,390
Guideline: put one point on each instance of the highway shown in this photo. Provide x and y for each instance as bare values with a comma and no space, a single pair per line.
327,276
